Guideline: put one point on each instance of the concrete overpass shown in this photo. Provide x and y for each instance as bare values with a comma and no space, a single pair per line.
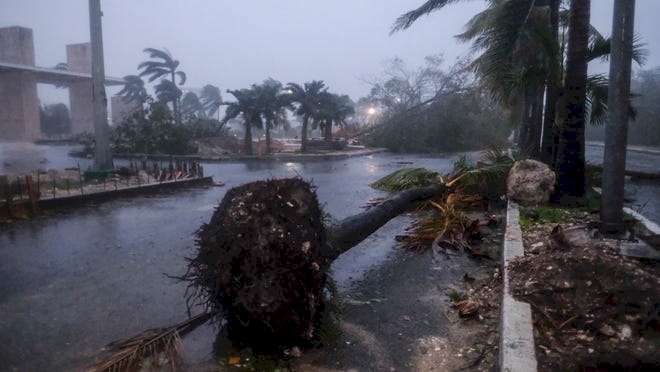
19,103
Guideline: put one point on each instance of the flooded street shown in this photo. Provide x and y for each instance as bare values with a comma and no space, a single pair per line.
75,280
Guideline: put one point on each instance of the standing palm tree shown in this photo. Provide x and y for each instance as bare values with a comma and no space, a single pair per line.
333,109
308,99
133,90
272,103
246,105
164,66
517,52
211,100
167,91
191,106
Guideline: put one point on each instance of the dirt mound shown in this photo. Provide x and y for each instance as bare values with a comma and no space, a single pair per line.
593,309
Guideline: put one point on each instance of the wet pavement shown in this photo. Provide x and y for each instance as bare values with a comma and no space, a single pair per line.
78,279
643,195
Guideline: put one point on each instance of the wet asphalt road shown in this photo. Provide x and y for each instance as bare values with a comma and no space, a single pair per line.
76,280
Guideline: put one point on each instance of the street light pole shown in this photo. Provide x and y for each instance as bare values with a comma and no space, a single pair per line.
102,155
616,130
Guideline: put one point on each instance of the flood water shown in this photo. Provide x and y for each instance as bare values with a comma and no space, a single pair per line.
75,280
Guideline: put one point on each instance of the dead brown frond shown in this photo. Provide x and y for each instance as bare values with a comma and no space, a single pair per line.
149,349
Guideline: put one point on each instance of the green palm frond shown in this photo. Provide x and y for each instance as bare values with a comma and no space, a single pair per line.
407,178
406,20
488,175
597,88
182,77
600,48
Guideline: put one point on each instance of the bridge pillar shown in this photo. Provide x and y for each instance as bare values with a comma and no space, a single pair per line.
19,103
122,110
79,59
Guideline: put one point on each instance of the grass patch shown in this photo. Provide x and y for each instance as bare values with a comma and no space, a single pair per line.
540,214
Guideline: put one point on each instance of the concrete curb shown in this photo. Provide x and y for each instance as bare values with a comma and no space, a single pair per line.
516,330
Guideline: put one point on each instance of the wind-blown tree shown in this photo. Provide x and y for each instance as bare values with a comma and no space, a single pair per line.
211,100
133,90
505,35
516,53
191,106
246,105
308,99
164,67
272,103
166,91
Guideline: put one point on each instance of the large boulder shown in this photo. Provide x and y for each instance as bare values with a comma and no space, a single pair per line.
530,182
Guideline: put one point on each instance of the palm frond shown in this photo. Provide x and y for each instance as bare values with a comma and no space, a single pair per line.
407,19
146,347
597,91
407,178
485,177
182,77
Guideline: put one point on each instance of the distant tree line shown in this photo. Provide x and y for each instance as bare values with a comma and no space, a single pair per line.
431,110
186,116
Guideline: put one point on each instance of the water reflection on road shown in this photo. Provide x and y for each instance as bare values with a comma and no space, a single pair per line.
76,280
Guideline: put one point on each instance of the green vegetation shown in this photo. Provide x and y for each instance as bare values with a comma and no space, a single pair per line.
540,214
442,220
154,131
431,110
406,178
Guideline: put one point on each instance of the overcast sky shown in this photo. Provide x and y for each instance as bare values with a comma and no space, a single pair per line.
232,44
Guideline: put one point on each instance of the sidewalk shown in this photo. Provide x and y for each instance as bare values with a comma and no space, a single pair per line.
642,149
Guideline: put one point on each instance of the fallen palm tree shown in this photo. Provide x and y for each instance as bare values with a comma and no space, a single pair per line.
263,259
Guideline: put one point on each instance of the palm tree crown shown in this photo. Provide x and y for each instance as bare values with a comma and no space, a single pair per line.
308,99
161,66
246,105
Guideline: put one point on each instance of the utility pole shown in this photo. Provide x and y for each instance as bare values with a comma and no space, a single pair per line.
102,155
616,130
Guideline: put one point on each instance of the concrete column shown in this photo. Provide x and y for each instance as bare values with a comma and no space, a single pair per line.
19,103
122,110
79,59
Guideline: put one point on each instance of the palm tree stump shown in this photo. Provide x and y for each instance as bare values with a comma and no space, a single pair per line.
263,259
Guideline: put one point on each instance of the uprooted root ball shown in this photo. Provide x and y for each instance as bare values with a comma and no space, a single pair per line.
259,263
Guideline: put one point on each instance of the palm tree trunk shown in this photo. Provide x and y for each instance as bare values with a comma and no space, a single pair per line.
536,122
327,129
548,146
176,104
350,231
303,134
248,138
616,130
571,162
268,125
